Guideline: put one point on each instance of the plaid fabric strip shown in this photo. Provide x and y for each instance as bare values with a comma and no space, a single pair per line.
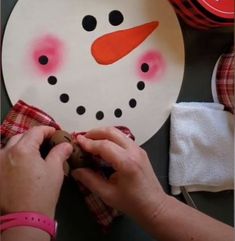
225,81
194,17
23,117
96,207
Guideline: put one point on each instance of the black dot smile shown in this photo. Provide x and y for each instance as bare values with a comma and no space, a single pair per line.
118,113
52,80
132,103
81,110
99,115
141,85
64,98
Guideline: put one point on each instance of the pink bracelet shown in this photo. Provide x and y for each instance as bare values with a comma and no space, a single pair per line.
31,219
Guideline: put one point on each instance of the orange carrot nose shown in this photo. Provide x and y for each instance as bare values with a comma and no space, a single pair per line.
111,47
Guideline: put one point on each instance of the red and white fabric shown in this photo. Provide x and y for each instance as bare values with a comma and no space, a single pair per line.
23,117
223,81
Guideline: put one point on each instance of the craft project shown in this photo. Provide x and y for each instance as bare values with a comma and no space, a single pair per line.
90,64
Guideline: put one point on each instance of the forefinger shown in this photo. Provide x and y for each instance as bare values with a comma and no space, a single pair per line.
110,152
111,134
35,136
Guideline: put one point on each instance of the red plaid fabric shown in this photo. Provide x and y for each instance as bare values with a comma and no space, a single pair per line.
225,81
104,214
23,117
191,12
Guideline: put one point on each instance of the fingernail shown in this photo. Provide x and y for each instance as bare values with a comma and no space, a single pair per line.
67,147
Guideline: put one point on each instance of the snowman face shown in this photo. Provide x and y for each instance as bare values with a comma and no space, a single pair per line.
91,64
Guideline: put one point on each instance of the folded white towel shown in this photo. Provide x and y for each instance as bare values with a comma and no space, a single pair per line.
201,148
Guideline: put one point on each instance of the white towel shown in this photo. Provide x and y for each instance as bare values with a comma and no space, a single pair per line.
201,148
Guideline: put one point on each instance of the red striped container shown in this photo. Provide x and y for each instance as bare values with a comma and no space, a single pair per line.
205,14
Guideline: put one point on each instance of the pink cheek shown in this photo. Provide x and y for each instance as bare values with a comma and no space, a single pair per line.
151,66
47,54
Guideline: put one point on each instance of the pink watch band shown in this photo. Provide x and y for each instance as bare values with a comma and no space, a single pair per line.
31,219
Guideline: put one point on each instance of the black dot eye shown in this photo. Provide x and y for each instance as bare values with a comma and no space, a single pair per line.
116,18
89,23
43,60
64,98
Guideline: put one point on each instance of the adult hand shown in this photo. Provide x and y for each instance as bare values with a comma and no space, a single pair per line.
133,188
28,182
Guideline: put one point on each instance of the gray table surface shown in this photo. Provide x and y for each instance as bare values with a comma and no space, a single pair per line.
75,221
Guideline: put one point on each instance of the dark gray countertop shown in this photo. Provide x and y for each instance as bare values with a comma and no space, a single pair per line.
75,221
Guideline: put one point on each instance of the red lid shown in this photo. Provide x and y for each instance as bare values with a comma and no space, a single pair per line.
220,8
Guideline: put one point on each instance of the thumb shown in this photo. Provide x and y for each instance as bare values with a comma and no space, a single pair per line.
94,182
59,154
